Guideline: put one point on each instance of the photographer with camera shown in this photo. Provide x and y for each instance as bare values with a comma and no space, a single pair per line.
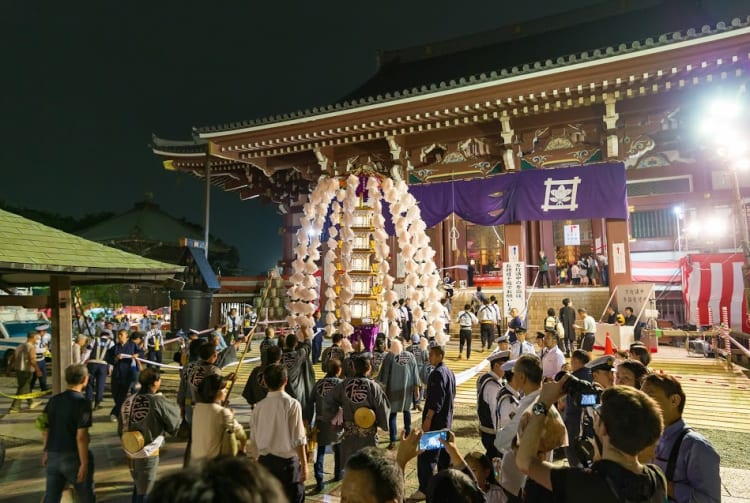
573,411
626,422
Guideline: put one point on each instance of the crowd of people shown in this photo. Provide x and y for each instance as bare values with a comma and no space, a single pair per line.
555,422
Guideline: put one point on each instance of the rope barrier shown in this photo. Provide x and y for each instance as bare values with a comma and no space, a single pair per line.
467,374
27,396
248,360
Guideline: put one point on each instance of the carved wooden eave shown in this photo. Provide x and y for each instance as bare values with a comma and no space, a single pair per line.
652,71
278,180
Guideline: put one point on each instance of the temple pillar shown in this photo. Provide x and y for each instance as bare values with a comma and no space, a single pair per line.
598,235
547,243
618,252
515,236
61,330
533,239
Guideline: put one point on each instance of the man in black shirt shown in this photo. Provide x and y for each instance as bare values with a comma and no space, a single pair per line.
66,439
437,415
626,422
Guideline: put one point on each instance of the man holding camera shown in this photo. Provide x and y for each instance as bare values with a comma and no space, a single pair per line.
573,411
626,422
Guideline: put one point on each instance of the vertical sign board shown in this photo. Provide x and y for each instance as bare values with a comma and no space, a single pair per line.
636,296
572,235
514,286
618,258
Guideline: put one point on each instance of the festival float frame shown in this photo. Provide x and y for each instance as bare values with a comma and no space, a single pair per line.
358,286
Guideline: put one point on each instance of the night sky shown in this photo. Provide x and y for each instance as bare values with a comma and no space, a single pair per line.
84,84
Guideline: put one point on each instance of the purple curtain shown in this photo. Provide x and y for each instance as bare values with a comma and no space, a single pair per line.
592,191
582,192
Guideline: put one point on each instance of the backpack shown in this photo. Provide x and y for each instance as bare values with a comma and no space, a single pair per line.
549,323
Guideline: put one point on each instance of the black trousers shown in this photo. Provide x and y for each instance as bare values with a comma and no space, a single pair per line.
488,441
587,342
464,336
487,331
287,471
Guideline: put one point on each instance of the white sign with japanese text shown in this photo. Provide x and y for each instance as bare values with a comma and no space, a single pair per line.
514,286
572,235
618,258
513,253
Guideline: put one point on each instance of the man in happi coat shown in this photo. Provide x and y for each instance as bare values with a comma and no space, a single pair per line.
400,377
296,359
325,430
357,352
419,349
353,394
334,351
255,388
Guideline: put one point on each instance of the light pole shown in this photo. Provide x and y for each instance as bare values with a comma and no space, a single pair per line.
726,127
678,216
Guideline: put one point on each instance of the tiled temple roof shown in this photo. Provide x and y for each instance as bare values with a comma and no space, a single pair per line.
403,78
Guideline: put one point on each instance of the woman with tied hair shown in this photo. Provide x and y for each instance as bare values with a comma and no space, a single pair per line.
211,420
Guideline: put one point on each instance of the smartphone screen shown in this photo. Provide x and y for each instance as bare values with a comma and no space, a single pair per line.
431,440
589,399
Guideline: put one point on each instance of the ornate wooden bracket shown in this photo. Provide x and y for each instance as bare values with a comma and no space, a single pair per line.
506,133
610,121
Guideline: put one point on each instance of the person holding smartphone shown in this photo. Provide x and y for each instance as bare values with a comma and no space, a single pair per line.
437,415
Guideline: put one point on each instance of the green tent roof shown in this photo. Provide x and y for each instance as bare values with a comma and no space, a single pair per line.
31,252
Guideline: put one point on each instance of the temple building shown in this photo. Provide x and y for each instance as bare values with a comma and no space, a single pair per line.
606,90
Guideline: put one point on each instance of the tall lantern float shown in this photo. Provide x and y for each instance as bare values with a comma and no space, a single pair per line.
356,278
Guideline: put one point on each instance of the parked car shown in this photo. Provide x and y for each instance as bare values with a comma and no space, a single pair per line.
12,335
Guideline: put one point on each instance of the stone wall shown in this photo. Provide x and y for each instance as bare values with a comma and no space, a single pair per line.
593,299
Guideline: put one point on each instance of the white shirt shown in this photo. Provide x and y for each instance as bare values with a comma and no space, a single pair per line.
466,318
589,325
489,395
511,478
209,422
519,348
505,436
445,315
496,308
552,361
80,354
486,313
507,408
276,427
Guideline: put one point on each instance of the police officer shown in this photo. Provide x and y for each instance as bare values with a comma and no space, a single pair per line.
40,348
487,395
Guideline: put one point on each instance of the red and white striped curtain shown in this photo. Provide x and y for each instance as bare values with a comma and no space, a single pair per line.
714,281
